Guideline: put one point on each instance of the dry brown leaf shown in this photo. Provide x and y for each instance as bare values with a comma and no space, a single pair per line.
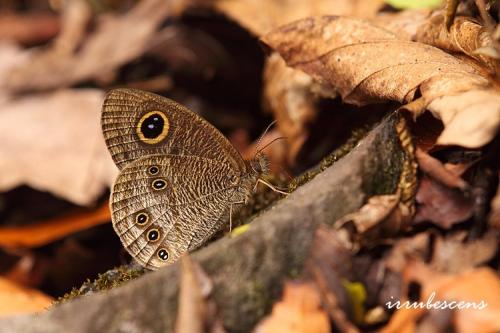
260,16
441,205
45,232
53,142
115,41
330,262
28,28
380,217
367,64
196,313
375,210
471,118
404,24
15,299
288,94
453,254
479,285
466,35
403,321
299,312
434,168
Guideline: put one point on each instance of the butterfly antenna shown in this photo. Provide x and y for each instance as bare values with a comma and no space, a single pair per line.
270,143
262,136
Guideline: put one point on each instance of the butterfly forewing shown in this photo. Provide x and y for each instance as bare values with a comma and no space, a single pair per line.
137,123
164,205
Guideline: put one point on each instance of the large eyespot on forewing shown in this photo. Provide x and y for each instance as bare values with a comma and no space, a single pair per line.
153,127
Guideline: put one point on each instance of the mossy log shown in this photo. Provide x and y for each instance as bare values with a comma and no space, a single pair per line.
247,270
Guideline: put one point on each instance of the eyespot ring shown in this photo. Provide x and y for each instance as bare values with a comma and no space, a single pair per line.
158,184
153,235
141,218
153,170
162,254
153,127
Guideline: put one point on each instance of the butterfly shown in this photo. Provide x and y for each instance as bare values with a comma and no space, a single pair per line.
179,178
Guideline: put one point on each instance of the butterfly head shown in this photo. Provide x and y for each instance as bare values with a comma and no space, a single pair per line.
260,164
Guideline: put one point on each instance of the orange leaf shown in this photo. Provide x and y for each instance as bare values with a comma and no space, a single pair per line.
45,232
15,299
298,312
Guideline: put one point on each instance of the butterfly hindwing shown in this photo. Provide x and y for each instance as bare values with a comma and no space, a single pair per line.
164,205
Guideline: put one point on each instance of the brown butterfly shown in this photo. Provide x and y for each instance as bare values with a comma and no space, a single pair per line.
179,176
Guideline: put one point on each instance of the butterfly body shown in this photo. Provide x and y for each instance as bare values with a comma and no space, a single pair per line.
179,176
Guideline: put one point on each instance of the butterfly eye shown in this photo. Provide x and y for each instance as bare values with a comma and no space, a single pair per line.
153,127
141,218
163,254
153,235
159,184
153,170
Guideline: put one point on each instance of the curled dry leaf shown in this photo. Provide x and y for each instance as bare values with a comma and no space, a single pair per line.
15,299
381,216
53,143
299,312
434,168
465,35
367,64
471,119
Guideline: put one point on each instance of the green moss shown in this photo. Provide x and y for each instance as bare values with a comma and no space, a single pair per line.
329,160
260,299
106,281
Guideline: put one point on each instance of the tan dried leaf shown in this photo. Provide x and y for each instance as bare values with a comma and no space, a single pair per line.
434,168
454,254
53,143
372,213
15,299
288,95
367,64
115,41
404,24
479,285
466,35
260,16
299,312
471,118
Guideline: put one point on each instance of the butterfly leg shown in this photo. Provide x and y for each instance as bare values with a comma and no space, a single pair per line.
271,187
